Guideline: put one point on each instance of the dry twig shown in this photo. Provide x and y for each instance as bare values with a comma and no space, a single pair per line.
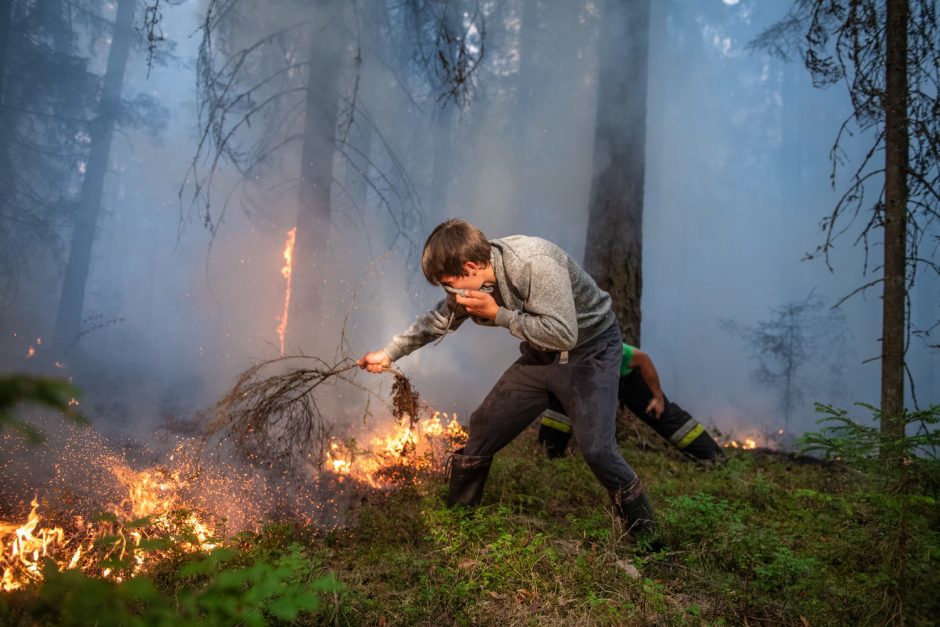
275,419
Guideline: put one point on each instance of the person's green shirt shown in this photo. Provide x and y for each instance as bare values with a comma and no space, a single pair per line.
625,368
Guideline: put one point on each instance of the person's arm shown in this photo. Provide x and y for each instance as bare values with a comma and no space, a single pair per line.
642,362
445,316
550,319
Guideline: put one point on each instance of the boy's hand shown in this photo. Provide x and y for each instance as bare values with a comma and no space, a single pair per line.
376,361
656,406
479,304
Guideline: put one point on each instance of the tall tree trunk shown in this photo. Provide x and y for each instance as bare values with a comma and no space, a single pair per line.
328,44
523,109
442,169
359,145
359,142
613,253
896,192
69,317
6,17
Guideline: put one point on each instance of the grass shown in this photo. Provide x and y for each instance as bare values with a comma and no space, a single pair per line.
761,539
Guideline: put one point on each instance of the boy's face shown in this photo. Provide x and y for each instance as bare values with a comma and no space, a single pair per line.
472,279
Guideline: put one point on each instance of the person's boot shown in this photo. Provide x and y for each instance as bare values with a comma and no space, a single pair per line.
554,433
634,509
468,475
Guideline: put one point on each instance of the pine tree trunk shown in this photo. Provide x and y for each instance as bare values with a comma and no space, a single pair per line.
613,253
71,304
442,169
524,109
6,17
316,170
896,192
6,178
358,162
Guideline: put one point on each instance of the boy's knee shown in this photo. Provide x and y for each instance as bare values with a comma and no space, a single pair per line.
598,456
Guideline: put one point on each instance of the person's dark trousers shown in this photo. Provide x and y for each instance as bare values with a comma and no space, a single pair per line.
586,387
675,424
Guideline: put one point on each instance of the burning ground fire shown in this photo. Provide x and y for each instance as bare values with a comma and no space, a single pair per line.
398,456
115,544
755,440
132,519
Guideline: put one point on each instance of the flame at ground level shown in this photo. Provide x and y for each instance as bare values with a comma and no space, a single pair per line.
112,545
130,516
396,456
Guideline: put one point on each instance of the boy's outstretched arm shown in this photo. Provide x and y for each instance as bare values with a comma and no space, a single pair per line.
642,362
446,316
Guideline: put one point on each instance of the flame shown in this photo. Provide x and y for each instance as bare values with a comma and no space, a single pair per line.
151,508
26,548
396,457
287,271
747,444
30,352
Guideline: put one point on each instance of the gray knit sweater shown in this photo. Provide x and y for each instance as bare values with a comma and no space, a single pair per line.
547,299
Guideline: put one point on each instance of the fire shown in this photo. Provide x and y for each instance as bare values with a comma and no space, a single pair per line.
113,546
397,456
746,444
287,271
26,548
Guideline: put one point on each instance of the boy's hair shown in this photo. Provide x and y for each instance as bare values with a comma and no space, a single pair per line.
450,245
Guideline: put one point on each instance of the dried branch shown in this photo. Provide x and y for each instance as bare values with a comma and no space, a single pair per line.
275,420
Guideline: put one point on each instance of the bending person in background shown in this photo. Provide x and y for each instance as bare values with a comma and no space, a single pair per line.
640,392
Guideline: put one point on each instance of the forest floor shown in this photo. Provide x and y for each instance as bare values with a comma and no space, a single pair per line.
762,538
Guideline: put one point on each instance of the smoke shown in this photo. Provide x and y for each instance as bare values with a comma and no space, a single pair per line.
736,183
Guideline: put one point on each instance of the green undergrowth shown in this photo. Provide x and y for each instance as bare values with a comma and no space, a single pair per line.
763,538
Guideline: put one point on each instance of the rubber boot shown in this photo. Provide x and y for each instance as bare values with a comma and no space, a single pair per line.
554,432
468,475
633,507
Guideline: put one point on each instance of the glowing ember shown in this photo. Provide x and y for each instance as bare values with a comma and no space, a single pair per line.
30,352
286,271
397,457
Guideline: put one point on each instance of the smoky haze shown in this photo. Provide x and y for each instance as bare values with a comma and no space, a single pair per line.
737,180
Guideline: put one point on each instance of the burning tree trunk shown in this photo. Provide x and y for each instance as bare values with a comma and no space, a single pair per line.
316,165
71,303
613,254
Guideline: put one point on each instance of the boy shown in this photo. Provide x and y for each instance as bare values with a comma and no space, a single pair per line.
571,350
